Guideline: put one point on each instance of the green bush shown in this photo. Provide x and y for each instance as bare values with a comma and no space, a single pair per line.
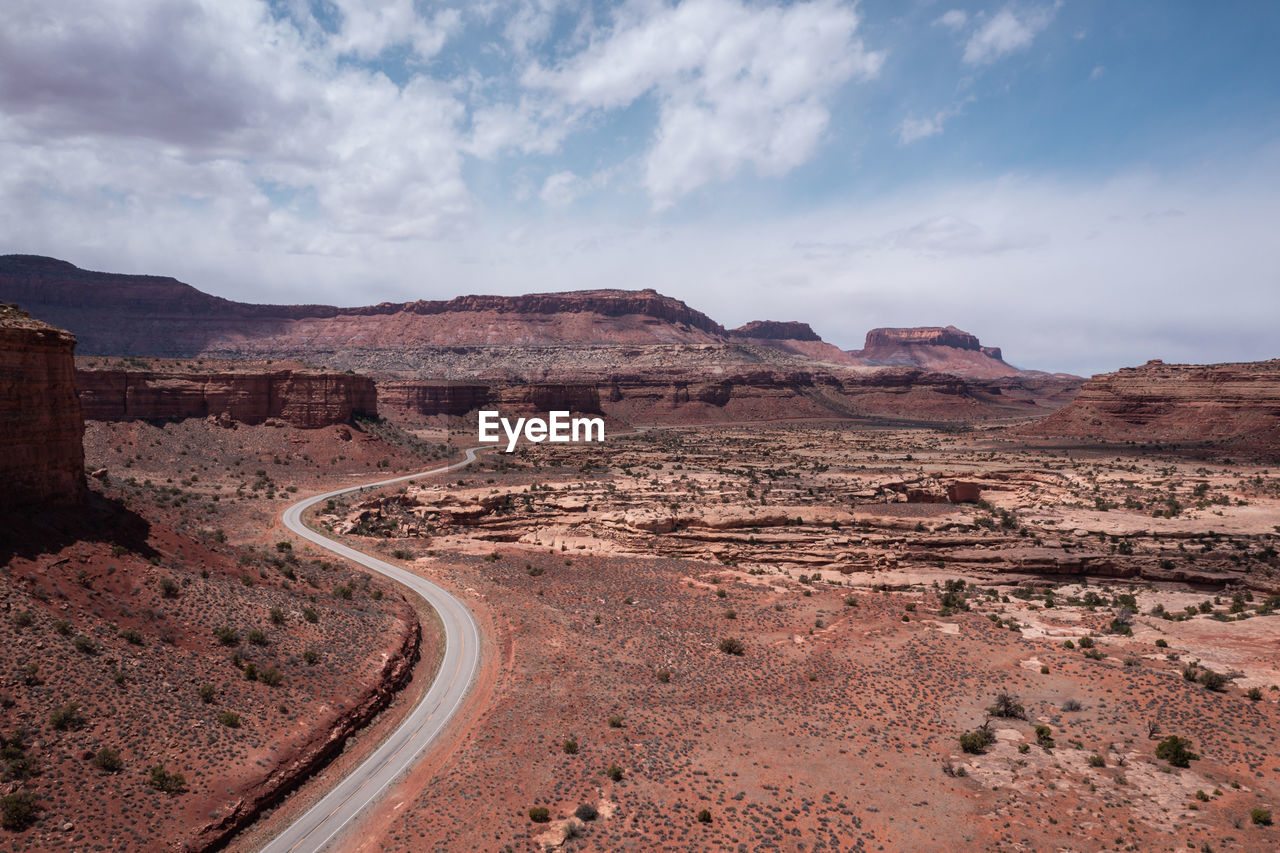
977,740
664,675
84,645
66,716
163,780
570,746
230,719
207,693
168,587
614,772
586,811
108,760
732,646
310,615
539,814
1007,705
132,635
704,816
1211,680
227,636
1261,817
257,638
1176,751
270,676
18,811
615,721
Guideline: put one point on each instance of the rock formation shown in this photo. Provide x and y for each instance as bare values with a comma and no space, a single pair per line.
1237,403
944,349
306,399
41,429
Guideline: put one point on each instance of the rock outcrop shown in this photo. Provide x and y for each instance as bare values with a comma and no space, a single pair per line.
41,428
305,399
944,349
776,331
1237,403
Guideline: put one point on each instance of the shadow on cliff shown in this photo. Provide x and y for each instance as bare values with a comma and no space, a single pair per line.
28,533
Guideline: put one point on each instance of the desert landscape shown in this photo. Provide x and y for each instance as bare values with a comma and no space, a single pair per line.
914,590
924,356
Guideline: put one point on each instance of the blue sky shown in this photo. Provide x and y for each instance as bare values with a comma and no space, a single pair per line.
1086,184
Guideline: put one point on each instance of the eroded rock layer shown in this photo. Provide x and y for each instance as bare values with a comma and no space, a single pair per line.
41,457
306,399
1236,403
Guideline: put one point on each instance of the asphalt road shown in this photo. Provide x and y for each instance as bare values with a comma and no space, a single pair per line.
316,828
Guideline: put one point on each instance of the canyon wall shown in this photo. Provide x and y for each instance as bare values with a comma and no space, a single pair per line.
1236,403
302,399
41,428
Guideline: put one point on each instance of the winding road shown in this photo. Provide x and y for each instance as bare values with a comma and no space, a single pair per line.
311,832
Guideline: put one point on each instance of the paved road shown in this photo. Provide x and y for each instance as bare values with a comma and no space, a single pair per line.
322,822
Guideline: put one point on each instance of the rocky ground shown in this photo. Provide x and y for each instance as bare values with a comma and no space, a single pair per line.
775,638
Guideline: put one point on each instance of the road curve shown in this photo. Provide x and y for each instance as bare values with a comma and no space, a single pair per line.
311,832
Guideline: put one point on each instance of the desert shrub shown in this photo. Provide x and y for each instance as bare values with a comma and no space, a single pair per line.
732,646
23,619
614,772
704,816
342,591
1176,751
1097,761
1254,694
277,616
1007,706
207,693
539,814
257,637
664,675
66,717
1086,642
1162,643
250,672
1260,817
227,635
19,810
615,721
977,740
310,615
1072,705
108,760
311,656
1094,654
1044,736
132,635
63,627
84,645
163,780
271,676
1211,680
570,746
168,587
230,719
586,811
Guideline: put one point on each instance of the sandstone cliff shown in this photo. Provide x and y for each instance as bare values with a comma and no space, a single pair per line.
306,399
41,429
1234,403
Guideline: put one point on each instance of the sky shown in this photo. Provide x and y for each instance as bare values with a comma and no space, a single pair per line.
1087,185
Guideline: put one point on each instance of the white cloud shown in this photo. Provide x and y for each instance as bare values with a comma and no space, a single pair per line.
737,85
1097,72
954,19
912,129
1006,32
369,29
562,189
159,105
